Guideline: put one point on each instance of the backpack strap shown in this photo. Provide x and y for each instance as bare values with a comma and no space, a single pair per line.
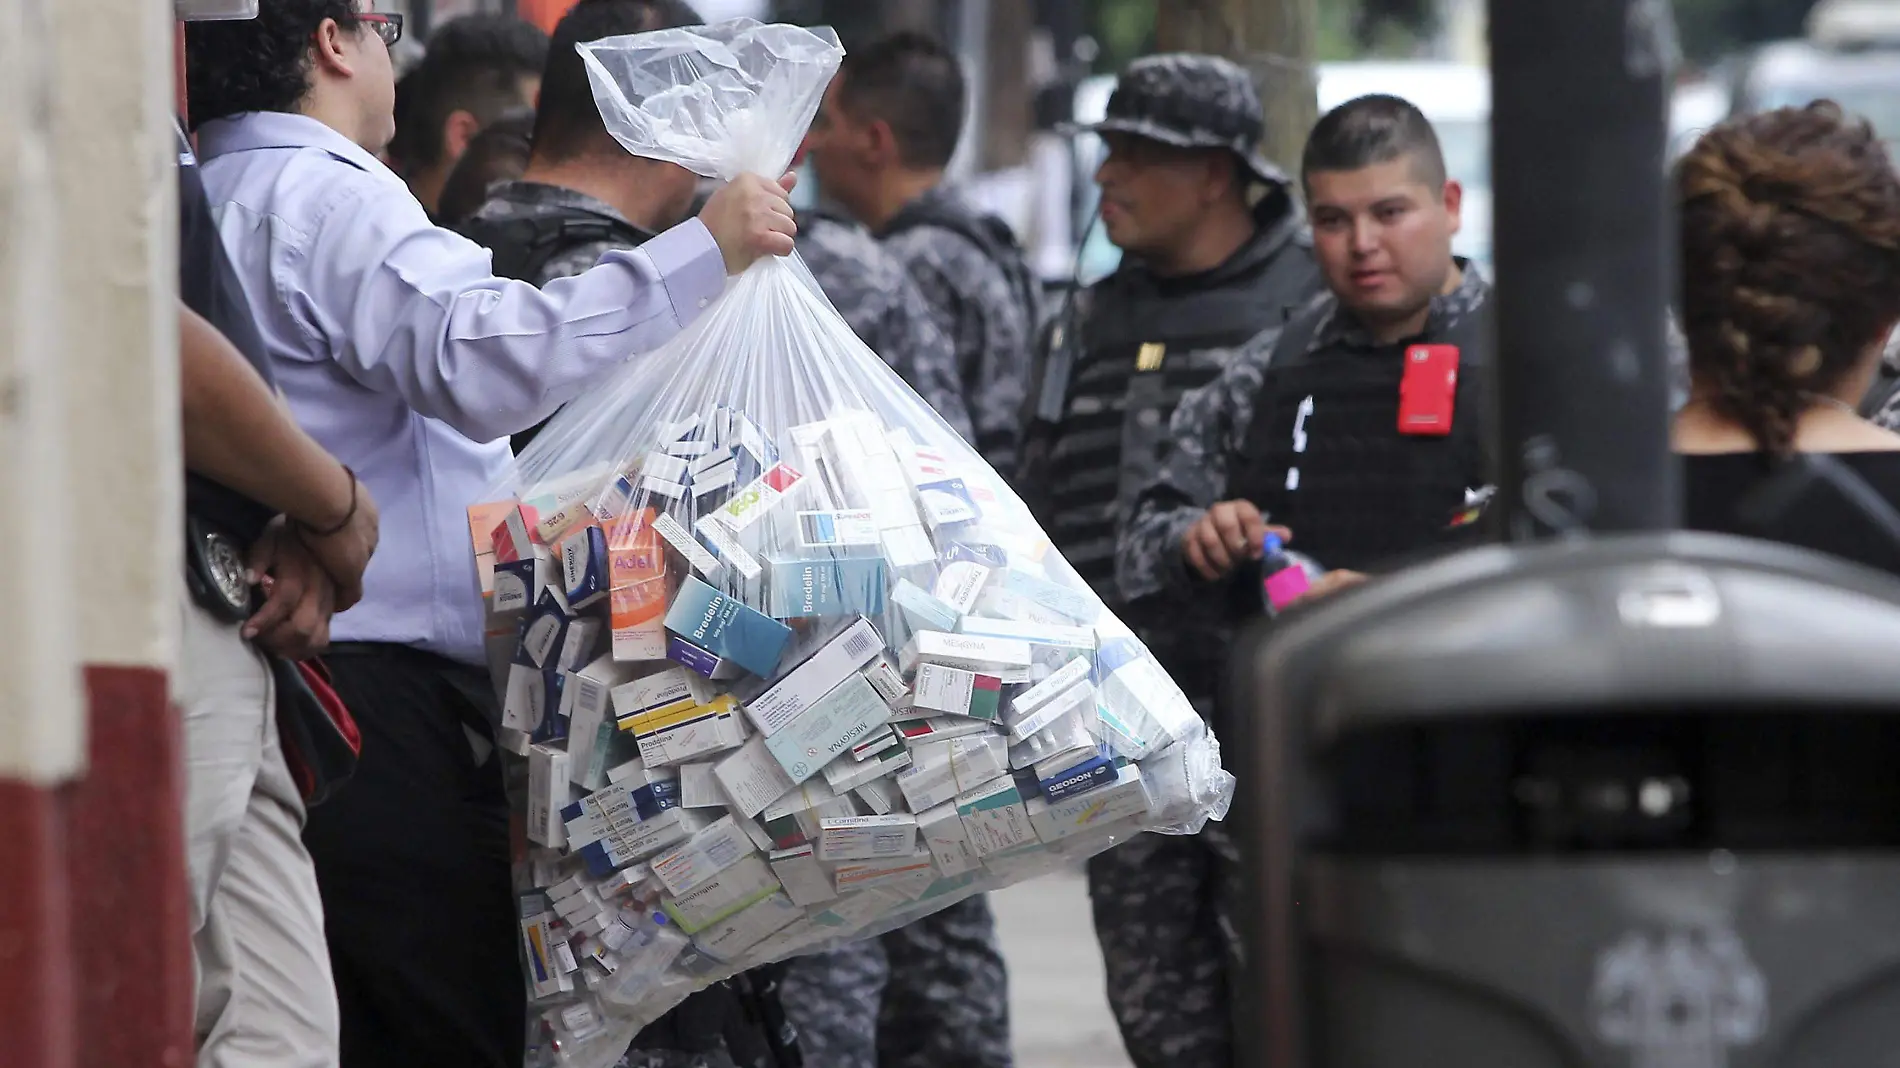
991,235
523,246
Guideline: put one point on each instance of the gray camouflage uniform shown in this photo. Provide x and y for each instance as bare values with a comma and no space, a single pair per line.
990,316
932,994
1109,376
666,1058
653,1048
1173,903
884,308
527,200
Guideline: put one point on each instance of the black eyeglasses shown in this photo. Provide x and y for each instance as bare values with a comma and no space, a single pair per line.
387,25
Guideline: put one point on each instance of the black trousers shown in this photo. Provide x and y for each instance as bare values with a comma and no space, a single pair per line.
412,859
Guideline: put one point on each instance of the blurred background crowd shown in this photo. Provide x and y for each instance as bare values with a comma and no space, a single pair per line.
1041,65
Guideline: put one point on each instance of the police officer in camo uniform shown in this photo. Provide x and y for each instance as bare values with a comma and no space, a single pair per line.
1302,430
1215,250
887,128
933,993
884,308
582,194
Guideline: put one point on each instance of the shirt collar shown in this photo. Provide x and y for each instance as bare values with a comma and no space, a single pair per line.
942,196
938,200
1343,331
277,129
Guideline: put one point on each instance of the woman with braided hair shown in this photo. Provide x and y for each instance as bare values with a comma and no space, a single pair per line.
1790,286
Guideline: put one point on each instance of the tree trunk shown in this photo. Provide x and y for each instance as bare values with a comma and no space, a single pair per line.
1008,99
1274,40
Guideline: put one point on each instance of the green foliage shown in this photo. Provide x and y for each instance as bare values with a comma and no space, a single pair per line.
1712,28
1124,29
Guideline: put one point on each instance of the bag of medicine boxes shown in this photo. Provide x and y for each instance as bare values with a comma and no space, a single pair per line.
788,664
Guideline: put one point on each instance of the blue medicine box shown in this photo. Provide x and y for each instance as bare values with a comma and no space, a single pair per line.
727,628
822,583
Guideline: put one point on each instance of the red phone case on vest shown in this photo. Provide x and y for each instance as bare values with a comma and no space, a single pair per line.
1428,392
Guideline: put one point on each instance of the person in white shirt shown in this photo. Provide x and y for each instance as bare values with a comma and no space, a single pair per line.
403,356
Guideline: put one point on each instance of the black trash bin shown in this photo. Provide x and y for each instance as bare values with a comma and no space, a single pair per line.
1630,802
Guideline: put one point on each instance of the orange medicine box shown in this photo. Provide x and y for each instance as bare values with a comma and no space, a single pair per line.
635,553
638,617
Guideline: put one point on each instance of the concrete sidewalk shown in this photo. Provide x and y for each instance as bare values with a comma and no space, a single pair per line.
1058,1010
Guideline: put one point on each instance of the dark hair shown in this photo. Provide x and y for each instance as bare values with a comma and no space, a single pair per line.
475,64
1372,130
911,81
569,123
257,64
1790,261
497,154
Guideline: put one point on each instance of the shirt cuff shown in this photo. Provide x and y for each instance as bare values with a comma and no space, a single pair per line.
690,266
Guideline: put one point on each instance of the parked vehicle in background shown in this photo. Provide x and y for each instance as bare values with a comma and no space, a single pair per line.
1855,24
1851,56
1694,108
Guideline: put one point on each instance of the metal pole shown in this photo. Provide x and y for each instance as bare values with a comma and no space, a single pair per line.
973,47
1274,39
1580,123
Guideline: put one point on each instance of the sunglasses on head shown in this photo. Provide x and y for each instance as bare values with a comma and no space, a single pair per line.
387,25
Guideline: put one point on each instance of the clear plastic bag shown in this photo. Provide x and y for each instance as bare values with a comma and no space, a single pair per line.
790,664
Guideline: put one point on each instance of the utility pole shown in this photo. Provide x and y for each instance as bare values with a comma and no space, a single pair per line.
1008,97
1273,39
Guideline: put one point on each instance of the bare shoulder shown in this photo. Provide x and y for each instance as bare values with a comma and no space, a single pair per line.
1870,437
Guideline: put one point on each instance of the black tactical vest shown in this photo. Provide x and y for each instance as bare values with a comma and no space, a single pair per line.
1324,456
522,246
1127,360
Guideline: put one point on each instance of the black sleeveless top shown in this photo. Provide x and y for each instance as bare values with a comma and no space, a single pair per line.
1715,486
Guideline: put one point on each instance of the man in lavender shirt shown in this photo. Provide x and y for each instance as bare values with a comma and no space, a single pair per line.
405,358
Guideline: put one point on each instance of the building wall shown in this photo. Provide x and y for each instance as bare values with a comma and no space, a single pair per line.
41,725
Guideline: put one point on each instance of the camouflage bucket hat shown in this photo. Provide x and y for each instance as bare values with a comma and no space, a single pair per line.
1190,101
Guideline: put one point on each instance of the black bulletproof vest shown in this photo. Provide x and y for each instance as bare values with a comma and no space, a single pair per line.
1197,332
1324,456
523,246
1136,354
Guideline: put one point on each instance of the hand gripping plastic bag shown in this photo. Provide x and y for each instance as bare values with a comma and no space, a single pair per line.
790,665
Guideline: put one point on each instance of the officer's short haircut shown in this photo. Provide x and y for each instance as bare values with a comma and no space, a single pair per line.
256,64
1373,130
568,124
475,64
911,81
